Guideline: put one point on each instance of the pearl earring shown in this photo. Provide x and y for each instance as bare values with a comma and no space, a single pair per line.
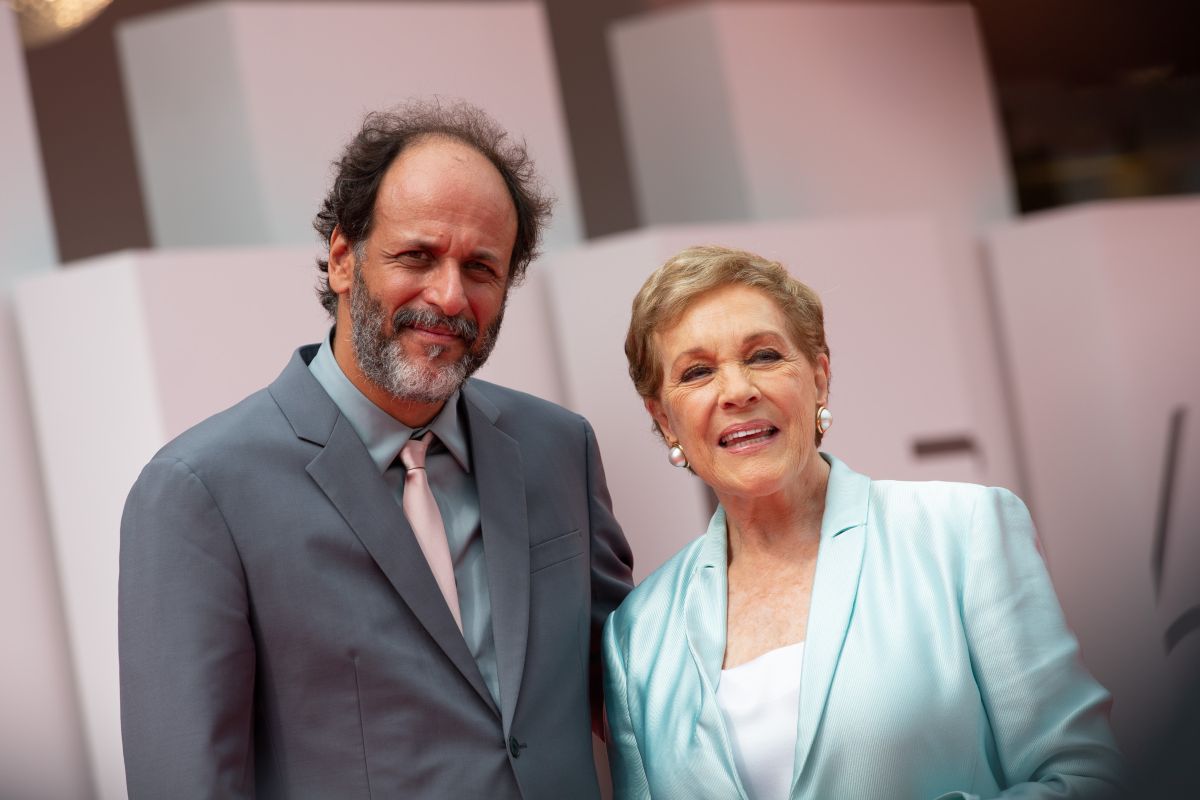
824,419
676,456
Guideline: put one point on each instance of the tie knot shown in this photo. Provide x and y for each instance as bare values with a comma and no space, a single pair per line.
412,456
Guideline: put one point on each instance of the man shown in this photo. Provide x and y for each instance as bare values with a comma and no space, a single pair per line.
298,616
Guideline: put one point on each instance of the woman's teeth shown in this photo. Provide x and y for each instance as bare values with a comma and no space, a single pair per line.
748,436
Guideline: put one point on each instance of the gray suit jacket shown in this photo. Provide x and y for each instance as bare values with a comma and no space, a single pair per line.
281,633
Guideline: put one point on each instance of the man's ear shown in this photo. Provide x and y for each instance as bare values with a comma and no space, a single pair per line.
341,263
660,416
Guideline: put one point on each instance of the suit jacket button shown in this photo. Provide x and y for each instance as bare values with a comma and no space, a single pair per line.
514,747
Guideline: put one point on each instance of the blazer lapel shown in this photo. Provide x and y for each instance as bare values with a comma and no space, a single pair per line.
349,478
705,614
839,564
500,481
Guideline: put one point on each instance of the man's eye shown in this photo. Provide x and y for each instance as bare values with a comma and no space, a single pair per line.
765,356
414,258
693,373
482,268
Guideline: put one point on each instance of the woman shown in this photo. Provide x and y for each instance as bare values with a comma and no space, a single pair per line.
830,636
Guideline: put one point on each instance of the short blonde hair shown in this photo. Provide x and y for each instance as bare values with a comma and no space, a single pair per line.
668,293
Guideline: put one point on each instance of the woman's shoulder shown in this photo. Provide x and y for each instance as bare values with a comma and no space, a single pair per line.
895,500
654,597
956,514
950,497
901,501
947,495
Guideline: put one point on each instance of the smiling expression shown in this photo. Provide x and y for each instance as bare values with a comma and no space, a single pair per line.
434,269
738,395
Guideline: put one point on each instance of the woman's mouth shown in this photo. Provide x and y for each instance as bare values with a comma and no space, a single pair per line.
746,436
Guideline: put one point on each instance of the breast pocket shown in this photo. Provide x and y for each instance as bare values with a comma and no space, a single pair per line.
555,551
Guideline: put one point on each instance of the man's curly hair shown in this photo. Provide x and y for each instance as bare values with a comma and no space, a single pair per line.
350,203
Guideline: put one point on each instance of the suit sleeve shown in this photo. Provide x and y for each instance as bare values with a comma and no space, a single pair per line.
186,651
1049,717
612,568
629,779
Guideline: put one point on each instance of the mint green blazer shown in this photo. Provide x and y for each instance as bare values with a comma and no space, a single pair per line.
937,663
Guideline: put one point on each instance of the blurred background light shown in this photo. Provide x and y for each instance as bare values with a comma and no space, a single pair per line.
46,21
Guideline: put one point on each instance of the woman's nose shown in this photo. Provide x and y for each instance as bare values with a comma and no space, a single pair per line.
737,388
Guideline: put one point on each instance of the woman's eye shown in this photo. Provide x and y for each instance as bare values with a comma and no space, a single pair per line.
693,373
765,356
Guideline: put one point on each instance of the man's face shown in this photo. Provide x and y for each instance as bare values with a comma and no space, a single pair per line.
425,292
383,356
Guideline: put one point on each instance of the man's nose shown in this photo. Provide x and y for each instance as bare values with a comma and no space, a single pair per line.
444,288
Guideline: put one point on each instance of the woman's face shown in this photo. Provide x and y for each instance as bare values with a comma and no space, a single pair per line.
738,395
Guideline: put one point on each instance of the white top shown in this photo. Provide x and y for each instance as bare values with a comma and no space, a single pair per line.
760,701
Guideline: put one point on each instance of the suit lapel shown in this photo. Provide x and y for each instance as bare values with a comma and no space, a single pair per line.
705,615
346,474
839,564
500,481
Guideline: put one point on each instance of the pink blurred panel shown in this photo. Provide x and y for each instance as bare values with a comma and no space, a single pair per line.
222,323
26,231
840,108
853,108
1098,313
239,108
41,749
675,113
98,421
496,55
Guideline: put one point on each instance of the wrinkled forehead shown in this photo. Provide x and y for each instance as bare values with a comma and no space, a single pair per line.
443,154
736,306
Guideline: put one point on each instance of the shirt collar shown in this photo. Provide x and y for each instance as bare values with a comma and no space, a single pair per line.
381,433
846,499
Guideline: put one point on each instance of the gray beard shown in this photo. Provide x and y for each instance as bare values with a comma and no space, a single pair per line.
382,359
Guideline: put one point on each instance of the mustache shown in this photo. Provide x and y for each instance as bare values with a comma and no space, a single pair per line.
428,318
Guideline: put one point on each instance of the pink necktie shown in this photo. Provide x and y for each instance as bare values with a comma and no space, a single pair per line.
426,521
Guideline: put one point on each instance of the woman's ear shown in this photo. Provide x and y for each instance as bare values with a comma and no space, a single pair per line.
660,417
821,376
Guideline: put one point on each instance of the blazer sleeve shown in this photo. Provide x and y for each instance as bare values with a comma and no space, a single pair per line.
1049,717
611,570
186,650
629,779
